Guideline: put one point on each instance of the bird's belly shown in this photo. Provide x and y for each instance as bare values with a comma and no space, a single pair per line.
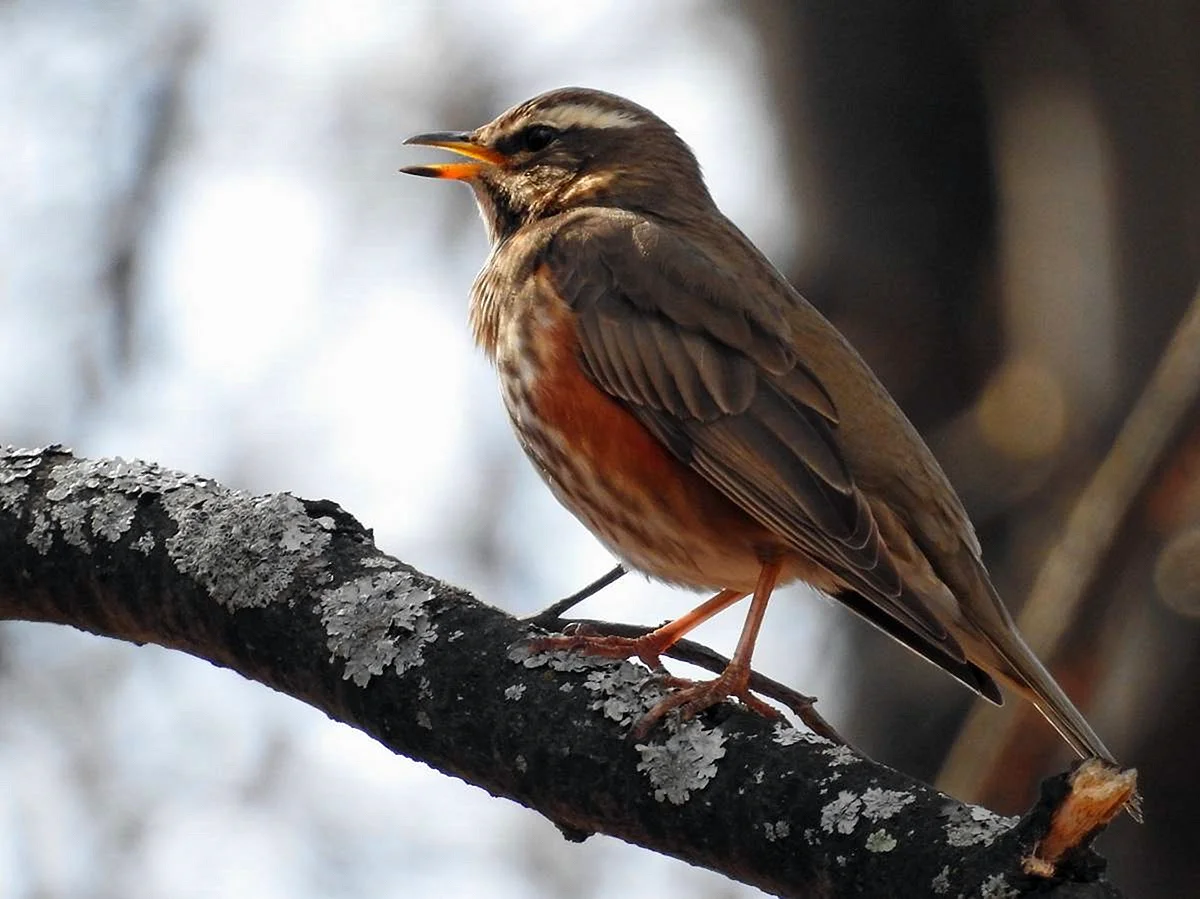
649,508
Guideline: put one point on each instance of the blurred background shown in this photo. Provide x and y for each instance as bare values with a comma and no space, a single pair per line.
208,260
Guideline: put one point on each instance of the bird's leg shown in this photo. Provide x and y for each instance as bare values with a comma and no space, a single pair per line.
552,613
647,647
693,697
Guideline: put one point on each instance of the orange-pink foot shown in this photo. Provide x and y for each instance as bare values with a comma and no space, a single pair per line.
693,697
611,647
690,697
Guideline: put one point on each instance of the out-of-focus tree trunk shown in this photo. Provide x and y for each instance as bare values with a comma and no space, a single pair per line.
1003,213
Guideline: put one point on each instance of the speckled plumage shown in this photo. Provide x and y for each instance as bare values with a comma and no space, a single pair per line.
695,412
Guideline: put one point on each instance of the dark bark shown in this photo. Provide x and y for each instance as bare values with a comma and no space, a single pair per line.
293,593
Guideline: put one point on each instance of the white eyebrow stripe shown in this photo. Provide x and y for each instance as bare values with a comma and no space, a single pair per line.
583,115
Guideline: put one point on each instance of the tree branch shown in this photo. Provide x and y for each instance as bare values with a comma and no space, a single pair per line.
293,593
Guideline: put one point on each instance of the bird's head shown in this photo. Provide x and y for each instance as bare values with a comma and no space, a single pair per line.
567,149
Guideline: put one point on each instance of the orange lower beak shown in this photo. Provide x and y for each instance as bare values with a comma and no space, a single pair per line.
456,142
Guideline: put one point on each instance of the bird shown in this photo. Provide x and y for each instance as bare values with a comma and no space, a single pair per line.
700,417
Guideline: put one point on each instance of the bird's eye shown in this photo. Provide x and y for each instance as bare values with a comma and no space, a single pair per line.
538,137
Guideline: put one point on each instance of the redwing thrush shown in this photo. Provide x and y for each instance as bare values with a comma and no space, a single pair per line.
704,421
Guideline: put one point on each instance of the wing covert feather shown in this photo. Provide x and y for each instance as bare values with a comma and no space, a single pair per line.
661,327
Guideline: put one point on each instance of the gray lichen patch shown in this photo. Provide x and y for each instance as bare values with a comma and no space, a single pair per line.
246,550
970,825
941,883
92,498
841,755
16,466
684,763
880,841
777,830
784,734
378,620
41,532
74,477
86,499
879,805
841,815
372,561
12,492
996,887
624,691
111,520
72,519
560,659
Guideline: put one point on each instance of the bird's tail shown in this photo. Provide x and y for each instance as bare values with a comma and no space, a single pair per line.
1022,671
991,640
1012,661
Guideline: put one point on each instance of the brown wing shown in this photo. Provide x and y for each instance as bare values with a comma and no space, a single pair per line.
662,329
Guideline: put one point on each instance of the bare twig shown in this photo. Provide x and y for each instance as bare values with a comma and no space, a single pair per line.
552,614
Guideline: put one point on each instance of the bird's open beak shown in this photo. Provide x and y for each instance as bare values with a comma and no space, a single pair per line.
459,142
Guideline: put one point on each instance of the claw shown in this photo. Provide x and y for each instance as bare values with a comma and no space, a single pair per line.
694,697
